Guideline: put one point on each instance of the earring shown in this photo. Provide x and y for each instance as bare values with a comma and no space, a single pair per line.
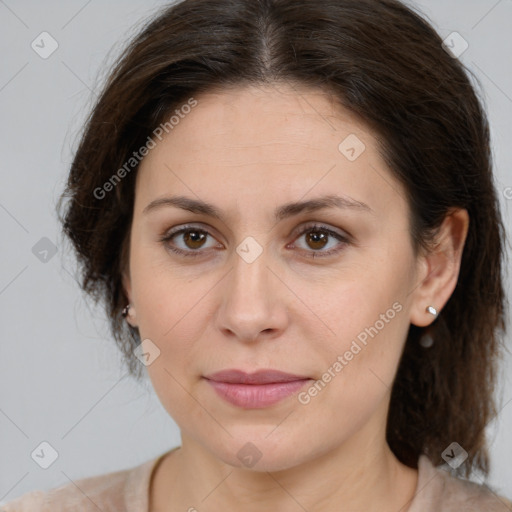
426,339
125,311
432,310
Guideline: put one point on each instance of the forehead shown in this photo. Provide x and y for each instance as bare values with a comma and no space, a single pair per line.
255,115
257,139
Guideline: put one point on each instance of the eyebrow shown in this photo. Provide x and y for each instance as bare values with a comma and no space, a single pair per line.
280,213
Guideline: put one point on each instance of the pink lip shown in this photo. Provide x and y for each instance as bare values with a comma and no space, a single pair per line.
257,390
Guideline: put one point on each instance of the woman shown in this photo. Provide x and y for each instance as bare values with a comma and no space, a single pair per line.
287,207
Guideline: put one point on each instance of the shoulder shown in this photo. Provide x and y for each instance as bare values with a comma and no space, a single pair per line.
27,502
106,492
438,490
87,494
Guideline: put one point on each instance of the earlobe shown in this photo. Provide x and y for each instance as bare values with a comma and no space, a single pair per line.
129,314
129,310
440,268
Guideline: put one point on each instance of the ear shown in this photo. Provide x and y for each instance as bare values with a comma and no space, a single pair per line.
127,286
438,271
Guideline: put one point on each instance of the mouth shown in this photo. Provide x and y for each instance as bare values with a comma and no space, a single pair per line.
255,390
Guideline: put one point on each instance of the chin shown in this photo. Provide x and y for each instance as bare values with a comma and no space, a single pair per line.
260,454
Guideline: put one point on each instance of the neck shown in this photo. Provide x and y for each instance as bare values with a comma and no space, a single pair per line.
360,476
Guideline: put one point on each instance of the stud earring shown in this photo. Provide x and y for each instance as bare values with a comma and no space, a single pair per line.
432,310
125,311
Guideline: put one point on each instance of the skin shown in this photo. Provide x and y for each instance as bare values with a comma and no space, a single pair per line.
248,150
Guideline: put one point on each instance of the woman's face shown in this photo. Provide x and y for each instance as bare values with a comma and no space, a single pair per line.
260,287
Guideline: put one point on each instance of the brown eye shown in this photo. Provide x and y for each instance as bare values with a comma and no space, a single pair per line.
317,239
188,241
194,239
191,241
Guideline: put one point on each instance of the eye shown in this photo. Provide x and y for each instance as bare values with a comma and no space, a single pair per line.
192,240
318,237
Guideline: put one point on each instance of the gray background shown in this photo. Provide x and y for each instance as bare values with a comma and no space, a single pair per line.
61,379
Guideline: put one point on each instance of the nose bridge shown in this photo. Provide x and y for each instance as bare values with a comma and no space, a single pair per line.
249,278
250,304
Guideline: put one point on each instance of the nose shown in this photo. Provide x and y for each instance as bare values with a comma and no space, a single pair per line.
253,303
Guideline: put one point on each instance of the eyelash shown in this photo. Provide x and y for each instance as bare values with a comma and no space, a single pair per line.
313,254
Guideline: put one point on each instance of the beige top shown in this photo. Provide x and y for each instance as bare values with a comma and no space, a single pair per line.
128,491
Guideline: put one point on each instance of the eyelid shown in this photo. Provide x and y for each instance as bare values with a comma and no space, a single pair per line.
343,238
299,230
178,230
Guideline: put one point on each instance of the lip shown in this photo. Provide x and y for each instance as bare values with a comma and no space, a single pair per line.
255,390
258,377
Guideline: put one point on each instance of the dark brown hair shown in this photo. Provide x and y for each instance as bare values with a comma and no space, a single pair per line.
386,64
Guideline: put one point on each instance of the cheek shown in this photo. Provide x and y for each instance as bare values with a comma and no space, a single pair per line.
354,299
172,312
167,296
359,363
365,311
